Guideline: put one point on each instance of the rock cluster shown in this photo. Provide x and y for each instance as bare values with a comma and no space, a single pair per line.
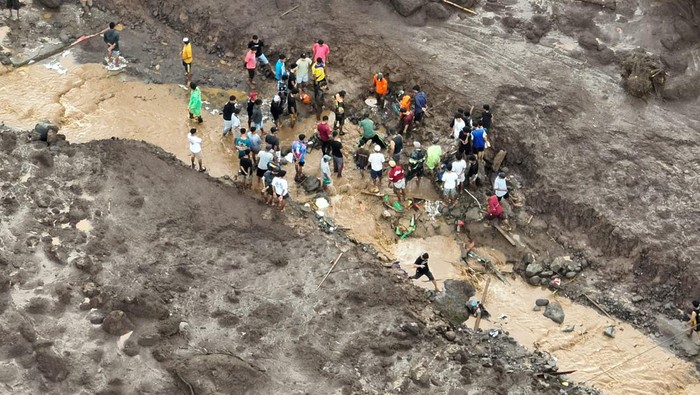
542,273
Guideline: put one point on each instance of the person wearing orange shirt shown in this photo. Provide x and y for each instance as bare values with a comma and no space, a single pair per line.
381,88
405,100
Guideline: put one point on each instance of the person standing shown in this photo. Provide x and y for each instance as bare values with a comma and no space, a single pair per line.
422,269
318,72
324,134
299,155
250,107
282,89
337,154
245,170
195,149
281,67
195,105
321,50
339,112
257,45
458,125
434,153
186,56
276,110
416,161
111,38
449,187
319,98
87,7
255,144
292,78
405,120
459,166
272,139
396,146
229,112
486,118
267,189
257,116
303,69
326,172
250,66
264,157
420,103
404,100
381,88
472,171
479,140
495,211
376,163
242,142
281,189
397,180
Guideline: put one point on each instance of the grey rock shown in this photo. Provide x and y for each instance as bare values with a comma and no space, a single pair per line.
546,273
542,302
436,11
610,331
571,274
555,312
534,280
528,259
533,269
537,308
473,214
450,335
117,323
568,328
407,7
637,298
544,281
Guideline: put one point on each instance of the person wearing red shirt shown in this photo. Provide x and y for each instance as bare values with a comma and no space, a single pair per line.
495,211
405,121
321,50
324,134
397,180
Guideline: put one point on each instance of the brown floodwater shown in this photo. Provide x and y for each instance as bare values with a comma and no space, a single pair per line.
90,103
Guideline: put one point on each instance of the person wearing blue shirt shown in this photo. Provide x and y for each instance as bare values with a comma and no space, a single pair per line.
299,154
479,140
420,104
280,68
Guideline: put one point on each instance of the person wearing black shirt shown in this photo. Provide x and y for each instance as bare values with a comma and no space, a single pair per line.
250,106
258,46
319,97
276,109
292,107
111,38
246,171
422,269
465,141
273,140
337,154
229,113
486,117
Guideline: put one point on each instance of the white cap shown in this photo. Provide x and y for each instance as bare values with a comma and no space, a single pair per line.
377,148
277,98
185,40
416,144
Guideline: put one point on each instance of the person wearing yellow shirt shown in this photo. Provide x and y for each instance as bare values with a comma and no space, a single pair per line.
318,71
186,55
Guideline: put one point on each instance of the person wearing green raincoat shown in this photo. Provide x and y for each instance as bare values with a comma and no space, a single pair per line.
195,106
434,154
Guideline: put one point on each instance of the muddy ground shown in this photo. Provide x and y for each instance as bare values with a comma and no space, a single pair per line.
609,177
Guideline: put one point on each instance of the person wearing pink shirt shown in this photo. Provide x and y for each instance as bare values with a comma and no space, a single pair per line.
250,64
321,50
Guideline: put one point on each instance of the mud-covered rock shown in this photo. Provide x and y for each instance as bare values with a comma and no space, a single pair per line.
407,7
131,348
51,4
148,340
533,269
541,302
452,302
51,366
534,280
436,11
554,312
117,323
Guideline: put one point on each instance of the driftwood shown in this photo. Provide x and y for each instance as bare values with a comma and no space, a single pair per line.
459,7
329,271
483,302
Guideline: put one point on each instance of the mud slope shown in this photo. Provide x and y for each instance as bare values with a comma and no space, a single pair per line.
124,271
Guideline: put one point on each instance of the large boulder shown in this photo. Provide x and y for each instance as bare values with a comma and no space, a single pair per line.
436,11
554,312
407,7
452,302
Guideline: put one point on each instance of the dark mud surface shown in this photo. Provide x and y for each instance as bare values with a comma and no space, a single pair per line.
123,271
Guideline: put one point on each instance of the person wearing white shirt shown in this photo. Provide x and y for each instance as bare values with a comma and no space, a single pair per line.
459,167
449,179
195,148
376,163
457,125
281,189
500,189
264,157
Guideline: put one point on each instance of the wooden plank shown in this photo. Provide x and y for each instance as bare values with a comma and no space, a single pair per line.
505,235
329,271
465,9
290,10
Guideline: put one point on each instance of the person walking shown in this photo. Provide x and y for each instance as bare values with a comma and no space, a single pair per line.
195,105
195,143
420,103
257,45
186,56
281,190
397,180
321,50
422,269
337,154
376,163
299,156
111,38
339,112
479,140
250,66
500,188
368,132
229,113
303,70
324,134
381,88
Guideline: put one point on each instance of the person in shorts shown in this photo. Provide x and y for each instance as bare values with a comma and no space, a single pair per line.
230,115
257,45
186,56
299,155
111,38
303,70
281,190
195,149
87,7
272,139
250,65
264,157
245,171
13,5
376,165
422,269
397,180
292,108
268,191
449,179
